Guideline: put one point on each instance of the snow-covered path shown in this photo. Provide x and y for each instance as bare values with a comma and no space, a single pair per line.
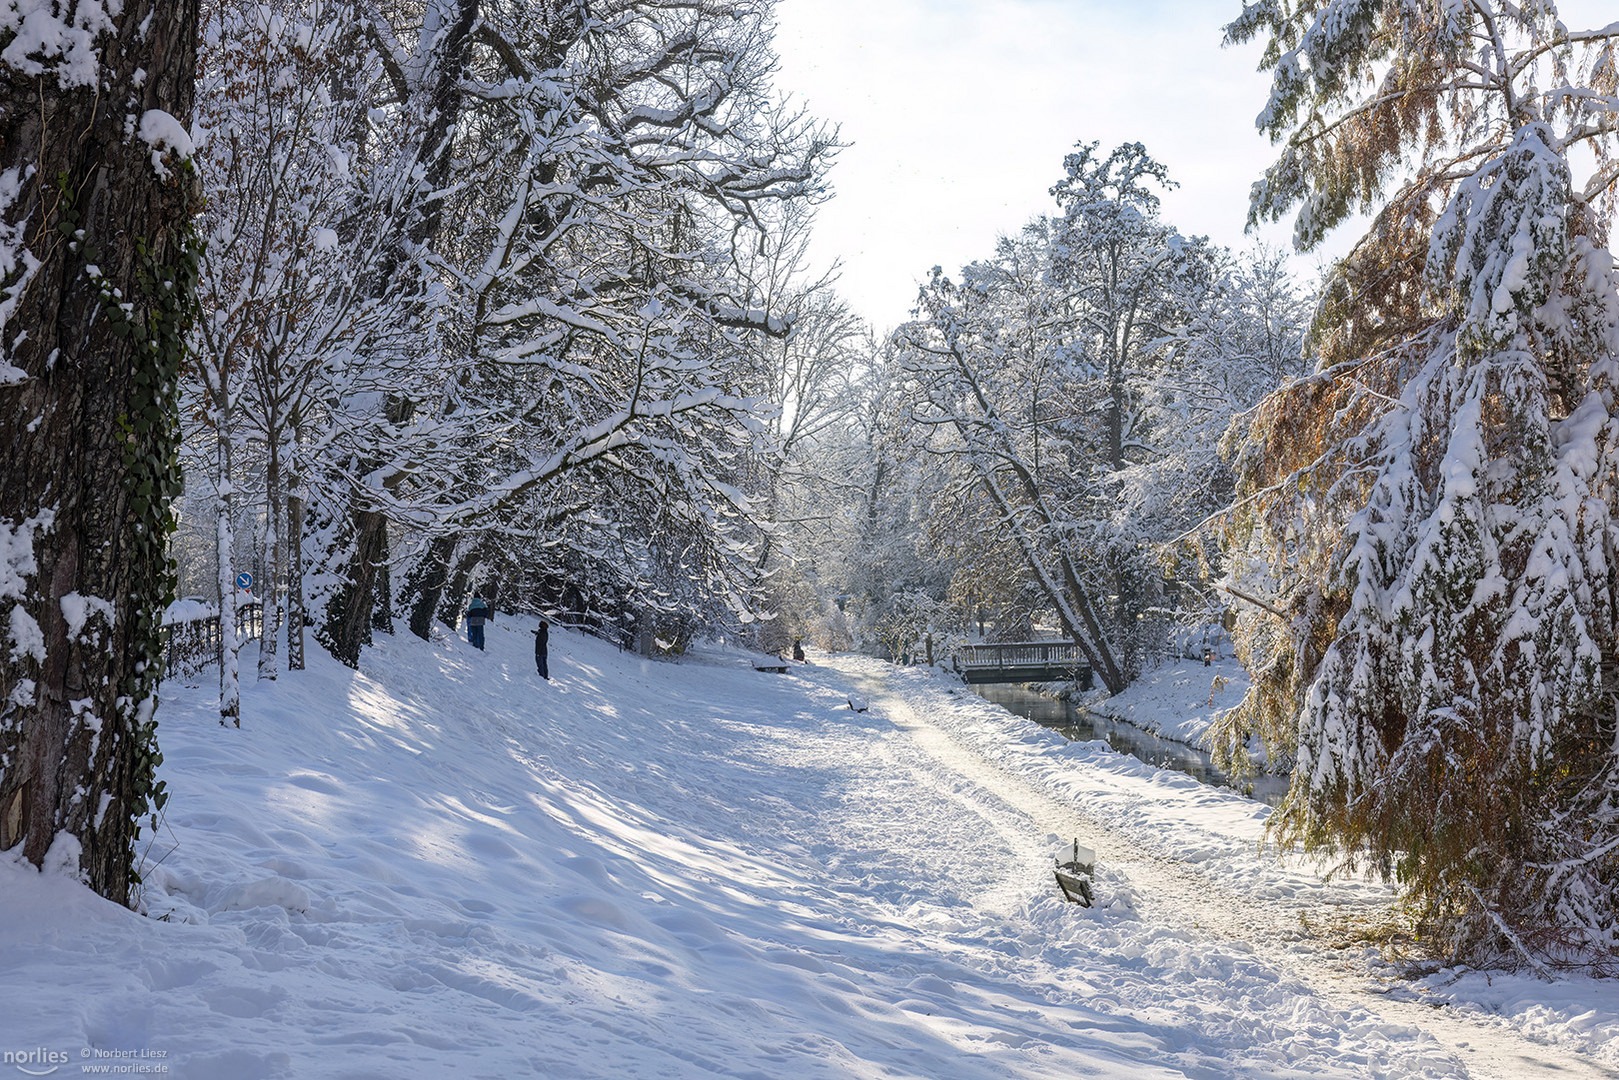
1286,928
442,866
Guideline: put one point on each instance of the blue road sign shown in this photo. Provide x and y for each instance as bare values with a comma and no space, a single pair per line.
244,580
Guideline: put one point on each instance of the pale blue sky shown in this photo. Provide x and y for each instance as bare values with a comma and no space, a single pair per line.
960,112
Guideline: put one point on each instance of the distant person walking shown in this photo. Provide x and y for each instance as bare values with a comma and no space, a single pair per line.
478,612
542,636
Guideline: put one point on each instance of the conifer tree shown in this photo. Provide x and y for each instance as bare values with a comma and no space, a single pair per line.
1425,536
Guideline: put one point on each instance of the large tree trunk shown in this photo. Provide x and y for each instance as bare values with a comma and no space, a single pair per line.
382,605
425,585
347,618
89,429
353,611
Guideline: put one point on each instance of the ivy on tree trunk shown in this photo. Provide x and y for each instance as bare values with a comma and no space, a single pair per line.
94,313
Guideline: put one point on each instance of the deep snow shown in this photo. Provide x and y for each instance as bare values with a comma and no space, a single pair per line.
444,866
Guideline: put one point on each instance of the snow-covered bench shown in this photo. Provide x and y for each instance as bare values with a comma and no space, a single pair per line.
1074,876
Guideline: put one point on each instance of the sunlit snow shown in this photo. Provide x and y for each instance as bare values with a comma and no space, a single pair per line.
444,866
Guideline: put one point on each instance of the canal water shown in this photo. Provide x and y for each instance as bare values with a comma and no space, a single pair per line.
1081,726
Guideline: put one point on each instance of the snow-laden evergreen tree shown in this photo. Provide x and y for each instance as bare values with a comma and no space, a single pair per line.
97,266
1426,534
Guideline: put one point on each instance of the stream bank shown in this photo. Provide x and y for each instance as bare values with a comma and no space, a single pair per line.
1079,724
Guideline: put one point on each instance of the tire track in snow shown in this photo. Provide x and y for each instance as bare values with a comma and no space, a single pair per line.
1175,892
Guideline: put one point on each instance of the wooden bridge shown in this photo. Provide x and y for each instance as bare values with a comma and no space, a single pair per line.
1024,661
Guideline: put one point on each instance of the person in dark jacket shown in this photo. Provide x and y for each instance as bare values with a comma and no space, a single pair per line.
542,664
478,612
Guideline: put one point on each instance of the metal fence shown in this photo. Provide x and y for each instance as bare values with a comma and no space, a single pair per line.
193,644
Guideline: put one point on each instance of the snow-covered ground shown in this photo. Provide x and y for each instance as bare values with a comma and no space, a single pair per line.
1179,699
445,867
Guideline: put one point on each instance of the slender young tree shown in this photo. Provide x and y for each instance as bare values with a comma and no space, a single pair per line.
97,267
313,302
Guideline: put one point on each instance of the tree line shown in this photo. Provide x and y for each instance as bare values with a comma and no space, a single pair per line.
415,298
421,298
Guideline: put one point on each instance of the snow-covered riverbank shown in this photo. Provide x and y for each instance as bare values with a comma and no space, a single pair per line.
444,866
1179,699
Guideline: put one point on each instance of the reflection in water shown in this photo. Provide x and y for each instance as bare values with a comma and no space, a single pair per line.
1081,726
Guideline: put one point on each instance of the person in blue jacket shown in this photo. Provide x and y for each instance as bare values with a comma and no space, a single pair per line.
478,612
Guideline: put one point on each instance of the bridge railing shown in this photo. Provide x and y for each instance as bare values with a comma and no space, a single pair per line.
1023,661
1021,654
